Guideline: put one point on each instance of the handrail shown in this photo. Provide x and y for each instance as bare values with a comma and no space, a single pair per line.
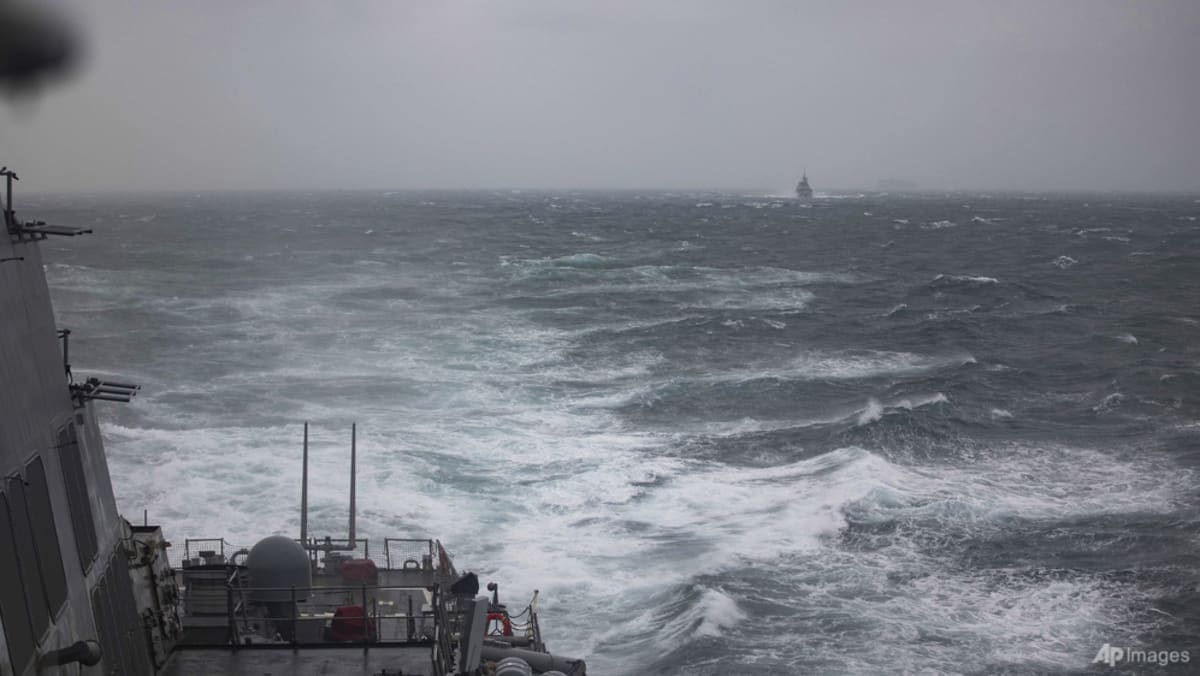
430,550
387,549
444,655
373,618
344,588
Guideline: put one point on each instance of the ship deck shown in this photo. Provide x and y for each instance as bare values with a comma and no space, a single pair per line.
300,660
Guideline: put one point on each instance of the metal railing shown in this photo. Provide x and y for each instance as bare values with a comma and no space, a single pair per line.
407,553
330,544
443,656
315,619
397,554
195,548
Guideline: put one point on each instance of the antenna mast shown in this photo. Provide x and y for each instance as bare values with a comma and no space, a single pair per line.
353,458
304,492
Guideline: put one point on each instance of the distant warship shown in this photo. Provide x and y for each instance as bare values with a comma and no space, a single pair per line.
803,190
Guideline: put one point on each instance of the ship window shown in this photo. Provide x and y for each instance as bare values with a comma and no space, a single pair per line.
45,534
31,574
77,496
13,607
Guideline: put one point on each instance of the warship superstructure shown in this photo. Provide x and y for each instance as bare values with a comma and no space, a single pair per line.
85,591
803,190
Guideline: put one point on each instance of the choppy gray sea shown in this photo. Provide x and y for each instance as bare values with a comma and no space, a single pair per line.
720,433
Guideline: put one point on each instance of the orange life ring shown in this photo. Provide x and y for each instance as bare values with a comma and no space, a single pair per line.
505,624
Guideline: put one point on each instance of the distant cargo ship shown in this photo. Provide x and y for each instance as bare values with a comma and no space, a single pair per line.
803,190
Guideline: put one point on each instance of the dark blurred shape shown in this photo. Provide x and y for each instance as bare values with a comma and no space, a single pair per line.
467,585
35,43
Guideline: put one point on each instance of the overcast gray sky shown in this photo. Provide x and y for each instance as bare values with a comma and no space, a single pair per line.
1087,94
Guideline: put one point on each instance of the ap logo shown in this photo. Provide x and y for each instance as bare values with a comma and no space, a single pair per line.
1109,655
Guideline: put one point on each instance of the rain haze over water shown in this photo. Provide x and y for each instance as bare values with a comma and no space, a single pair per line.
634,95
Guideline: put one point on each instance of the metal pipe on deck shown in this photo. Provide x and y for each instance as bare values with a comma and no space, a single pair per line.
102,397
86,653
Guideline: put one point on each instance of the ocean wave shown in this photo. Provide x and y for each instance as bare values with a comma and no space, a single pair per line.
773,323
950,280
868,364
1031,481
1109,402
582,260
684,397
690,613
684,287
875,411
839,530
850,366
872,413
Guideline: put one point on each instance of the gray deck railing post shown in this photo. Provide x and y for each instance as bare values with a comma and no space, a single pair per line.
233,637
293,612
366,617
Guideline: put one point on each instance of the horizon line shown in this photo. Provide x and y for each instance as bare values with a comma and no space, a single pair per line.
743,191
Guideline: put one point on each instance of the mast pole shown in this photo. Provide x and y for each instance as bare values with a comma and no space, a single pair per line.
304,492
353,460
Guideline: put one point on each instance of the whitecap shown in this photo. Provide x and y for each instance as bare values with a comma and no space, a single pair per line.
719,611
966,278
583,260
872,413
910,404
1108,403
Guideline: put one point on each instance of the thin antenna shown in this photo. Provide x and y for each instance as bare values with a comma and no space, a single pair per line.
353,459
304,492
9,214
